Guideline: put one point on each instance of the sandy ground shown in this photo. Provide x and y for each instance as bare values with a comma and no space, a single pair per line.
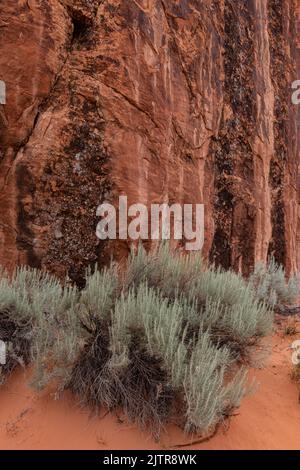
268,419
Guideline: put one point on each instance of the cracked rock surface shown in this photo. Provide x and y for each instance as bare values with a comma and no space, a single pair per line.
160,100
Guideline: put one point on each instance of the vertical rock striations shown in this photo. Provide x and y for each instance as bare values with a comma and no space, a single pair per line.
161,100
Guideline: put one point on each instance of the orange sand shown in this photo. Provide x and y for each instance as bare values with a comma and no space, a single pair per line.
268,419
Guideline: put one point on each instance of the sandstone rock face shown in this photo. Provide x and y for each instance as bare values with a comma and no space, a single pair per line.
160,100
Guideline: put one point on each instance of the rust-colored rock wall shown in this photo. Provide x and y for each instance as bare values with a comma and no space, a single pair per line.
161,100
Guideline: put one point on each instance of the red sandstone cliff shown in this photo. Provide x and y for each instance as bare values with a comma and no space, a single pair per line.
162,100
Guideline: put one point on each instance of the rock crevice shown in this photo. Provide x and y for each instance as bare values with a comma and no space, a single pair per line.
161,100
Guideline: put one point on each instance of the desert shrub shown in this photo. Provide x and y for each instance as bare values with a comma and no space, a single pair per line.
34,308
164,269
143,362
228,305
15,329
210,395
223,300
125,362
162,339
169,342
73,326
270,284
100,292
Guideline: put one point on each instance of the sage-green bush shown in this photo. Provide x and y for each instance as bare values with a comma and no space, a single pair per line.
271,285
163,338
34,308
